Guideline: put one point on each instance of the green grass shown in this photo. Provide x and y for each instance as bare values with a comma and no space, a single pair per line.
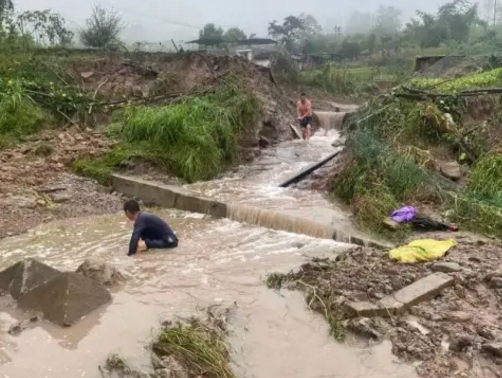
486,178
198,347
470,81
390,165
195,140
19,116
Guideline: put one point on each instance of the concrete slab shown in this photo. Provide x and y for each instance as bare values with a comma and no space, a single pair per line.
424,289
419,291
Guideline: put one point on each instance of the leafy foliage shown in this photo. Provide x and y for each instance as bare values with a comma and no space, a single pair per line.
288,32
44,27
103,28
211,31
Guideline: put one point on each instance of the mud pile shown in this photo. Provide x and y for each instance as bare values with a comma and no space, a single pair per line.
144,75
456,333
36,186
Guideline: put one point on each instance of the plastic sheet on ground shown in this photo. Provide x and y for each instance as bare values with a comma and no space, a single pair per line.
422,250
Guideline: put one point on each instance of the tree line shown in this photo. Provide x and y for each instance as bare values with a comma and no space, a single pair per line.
455,24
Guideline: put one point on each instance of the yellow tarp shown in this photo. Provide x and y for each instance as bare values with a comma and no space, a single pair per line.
422,250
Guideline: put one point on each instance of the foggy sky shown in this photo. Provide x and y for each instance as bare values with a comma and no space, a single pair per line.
161,20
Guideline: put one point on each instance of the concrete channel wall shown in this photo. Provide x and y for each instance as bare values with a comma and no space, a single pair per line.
158,194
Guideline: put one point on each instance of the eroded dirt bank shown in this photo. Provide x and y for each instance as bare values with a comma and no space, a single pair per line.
456,333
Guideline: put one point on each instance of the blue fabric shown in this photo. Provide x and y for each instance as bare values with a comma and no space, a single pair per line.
152,230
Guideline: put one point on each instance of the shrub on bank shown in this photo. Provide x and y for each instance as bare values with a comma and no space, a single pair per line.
389,164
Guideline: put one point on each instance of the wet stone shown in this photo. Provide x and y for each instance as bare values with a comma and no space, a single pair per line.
66,298
495,349
98,270
25,276
459,316
446,267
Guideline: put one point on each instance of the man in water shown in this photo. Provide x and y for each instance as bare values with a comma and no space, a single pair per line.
149,230
304,110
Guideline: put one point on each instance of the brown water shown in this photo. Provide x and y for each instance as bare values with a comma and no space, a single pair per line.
217,262
258,184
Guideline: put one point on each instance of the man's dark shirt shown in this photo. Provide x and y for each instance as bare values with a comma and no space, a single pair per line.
148,226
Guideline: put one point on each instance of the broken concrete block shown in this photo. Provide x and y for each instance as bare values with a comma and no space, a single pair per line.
363,309
25,276
390,306
66,298
98,270
423,289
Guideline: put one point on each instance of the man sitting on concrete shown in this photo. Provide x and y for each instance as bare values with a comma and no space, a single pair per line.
149,230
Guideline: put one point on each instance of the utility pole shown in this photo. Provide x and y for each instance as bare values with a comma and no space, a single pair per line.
494,13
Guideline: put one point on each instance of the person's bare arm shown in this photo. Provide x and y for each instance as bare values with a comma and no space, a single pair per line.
298,111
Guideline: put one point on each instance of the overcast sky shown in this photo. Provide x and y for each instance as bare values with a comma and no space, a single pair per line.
161,20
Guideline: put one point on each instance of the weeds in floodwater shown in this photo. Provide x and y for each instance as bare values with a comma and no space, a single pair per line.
319,300
197,346
195,139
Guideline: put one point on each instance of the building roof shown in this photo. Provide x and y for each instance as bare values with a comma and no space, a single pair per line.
251,41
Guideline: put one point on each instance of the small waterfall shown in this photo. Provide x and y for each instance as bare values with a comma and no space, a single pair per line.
331,120
278,221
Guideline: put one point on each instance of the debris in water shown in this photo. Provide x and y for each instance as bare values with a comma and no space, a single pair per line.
463,314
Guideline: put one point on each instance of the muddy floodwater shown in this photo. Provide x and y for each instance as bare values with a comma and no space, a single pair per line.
274,335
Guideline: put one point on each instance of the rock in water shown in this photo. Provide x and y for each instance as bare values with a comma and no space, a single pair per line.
98,270
25,276
66,298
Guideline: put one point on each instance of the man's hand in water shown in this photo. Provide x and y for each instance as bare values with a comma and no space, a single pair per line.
142,247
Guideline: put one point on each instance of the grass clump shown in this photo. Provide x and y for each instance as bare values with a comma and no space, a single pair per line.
19,116
195,139
197,346
101,168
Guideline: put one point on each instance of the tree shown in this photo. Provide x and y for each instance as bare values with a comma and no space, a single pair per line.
288,32
103,28
359,22
210,31
45,27
387,21
234,34
310,25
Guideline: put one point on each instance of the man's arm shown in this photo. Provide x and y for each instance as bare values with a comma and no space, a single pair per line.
139,226
298,110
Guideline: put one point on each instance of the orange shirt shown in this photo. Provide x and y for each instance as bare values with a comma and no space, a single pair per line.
304,110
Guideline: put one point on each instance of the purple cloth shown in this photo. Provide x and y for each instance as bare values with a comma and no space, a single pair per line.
404,215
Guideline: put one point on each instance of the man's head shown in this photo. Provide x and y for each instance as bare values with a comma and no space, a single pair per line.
303,97
131,209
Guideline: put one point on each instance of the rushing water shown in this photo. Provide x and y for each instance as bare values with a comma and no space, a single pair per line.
218,262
